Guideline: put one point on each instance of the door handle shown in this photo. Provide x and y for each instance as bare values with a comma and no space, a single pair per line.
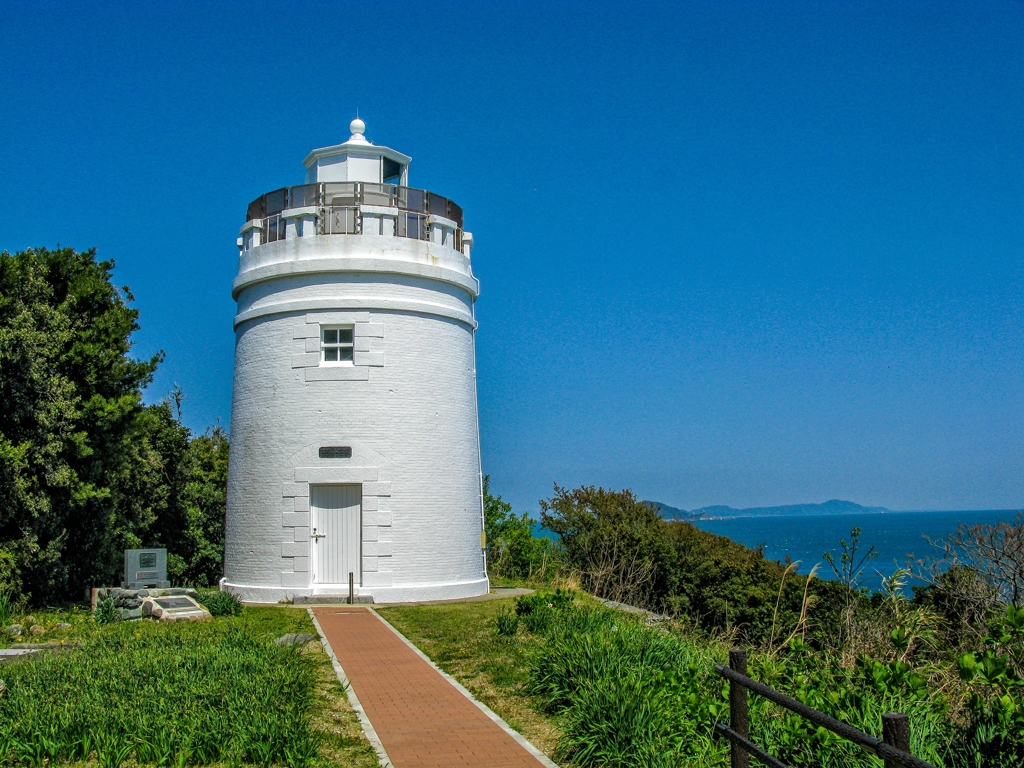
317,536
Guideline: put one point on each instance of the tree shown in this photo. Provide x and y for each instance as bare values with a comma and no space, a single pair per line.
71,396
204,500
623,550
513,551
995,552
611,538
86,469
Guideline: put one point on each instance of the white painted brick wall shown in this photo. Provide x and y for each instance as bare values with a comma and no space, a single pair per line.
409,412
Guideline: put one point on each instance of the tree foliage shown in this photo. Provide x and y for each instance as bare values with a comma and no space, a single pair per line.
623,550
513,552
86,468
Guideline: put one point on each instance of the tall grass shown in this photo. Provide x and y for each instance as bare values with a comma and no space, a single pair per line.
6,607
167,694
630,694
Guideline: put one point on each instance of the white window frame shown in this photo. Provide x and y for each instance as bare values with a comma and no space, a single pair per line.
339,345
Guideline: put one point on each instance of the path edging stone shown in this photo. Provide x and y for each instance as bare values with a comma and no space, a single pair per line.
353,699
491,714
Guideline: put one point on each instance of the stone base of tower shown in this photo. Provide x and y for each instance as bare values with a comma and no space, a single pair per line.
406,593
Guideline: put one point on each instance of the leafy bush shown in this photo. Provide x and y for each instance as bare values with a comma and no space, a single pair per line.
513,552
997,690
623,551
177,694
220,603
633,695
506,623
539,621
831,644
538,609
527,604
106,611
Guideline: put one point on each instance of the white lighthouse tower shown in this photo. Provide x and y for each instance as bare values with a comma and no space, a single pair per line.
354,438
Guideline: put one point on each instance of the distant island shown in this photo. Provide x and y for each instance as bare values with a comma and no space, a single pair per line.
833,507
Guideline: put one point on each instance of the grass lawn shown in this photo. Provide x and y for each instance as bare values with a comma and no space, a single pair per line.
212,693
459,638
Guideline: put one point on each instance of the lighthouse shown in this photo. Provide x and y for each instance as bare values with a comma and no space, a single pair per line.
355,452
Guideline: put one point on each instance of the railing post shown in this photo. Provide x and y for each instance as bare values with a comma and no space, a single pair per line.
739,718
896,733
351,588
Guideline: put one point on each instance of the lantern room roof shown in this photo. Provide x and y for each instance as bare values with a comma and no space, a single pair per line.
357,145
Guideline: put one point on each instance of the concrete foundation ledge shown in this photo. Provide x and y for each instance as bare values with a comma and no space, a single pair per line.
402,593
421,593
331,599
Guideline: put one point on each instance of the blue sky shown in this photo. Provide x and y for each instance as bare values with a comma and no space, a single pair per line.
730,253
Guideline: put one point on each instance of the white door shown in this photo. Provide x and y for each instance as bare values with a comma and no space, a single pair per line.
336,512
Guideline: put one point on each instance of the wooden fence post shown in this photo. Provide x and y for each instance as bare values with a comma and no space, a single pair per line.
896,733
739,718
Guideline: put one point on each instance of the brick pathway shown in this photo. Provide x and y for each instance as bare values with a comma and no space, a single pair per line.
421,718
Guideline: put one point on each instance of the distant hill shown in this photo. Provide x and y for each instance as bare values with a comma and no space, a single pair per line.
833,507
671,513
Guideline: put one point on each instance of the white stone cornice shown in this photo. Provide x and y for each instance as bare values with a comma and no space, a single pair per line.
349,264
355,150
376,304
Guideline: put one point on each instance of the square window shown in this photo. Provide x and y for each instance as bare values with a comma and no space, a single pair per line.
336,345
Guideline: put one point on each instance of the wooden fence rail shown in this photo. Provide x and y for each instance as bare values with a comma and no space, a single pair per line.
893,747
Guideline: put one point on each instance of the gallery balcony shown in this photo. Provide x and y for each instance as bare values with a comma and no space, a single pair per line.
353,208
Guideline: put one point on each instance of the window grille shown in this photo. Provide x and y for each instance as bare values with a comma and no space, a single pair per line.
336,345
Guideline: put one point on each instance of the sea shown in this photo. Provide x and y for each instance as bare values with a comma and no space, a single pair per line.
896,536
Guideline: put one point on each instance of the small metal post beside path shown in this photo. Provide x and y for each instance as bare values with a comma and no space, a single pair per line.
351,588
893,747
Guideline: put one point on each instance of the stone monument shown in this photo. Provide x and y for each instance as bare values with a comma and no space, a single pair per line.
145,568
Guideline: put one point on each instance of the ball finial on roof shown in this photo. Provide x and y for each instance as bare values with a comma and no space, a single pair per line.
357,127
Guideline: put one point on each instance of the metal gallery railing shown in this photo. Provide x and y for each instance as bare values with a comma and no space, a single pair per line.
340,210
353,193
893,747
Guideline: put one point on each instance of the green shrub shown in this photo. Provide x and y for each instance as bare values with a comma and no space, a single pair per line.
622,722
539,621
506,623
537,610
527,604
629,694
220,603
997,691
106,611
513,552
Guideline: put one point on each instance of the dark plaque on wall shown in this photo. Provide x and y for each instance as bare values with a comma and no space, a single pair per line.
336,452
